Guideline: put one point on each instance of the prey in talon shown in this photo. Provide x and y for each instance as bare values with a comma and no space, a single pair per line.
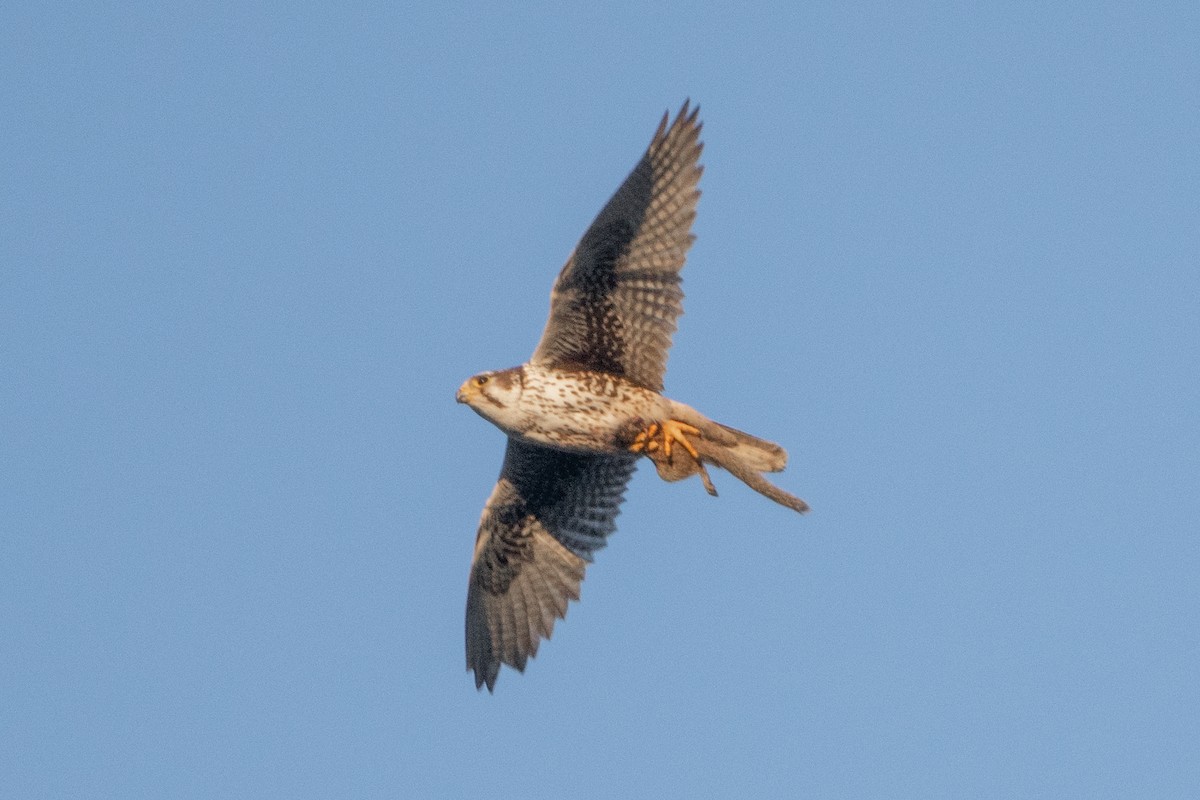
671,468
589,404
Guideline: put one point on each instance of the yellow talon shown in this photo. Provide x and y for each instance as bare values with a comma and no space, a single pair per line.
675,430
669,432
643,440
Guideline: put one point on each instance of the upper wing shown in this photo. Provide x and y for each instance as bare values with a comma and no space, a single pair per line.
614,305
549,512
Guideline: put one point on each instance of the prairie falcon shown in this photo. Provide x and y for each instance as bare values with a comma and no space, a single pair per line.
588,405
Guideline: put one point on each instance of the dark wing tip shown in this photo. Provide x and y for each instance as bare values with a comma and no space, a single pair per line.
690,118
662,126
687,117
489,678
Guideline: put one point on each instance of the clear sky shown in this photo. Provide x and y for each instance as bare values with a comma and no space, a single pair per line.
948,255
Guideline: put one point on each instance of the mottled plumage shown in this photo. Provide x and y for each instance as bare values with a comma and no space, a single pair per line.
614,305
588,405
549,512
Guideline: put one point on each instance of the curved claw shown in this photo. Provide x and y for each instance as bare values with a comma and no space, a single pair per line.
664,435
657,440
674,430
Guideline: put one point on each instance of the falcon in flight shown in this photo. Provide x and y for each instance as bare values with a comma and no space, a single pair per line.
589,404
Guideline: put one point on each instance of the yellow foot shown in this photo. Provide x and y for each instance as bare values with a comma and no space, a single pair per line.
657,441
667,432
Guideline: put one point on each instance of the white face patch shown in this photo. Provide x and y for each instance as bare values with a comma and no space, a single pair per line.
496,396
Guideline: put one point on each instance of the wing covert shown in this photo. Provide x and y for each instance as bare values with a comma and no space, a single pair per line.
615,304
549,512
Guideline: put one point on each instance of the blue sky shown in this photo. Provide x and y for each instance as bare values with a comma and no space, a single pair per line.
947,255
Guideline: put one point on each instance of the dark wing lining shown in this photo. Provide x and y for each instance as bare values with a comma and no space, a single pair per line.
615,304
550,511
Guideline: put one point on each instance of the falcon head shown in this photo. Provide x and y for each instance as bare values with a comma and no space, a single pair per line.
495,396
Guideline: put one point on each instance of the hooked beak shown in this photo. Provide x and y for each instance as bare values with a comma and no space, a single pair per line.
463,392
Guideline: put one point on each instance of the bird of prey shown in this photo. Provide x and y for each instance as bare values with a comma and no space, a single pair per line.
589,404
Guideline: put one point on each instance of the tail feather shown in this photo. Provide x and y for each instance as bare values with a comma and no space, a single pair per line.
757,454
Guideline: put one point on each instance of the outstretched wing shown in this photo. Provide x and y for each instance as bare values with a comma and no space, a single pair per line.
614,306
549,512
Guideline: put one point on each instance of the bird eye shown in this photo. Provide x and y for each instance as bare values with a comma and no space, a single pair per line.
481,380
